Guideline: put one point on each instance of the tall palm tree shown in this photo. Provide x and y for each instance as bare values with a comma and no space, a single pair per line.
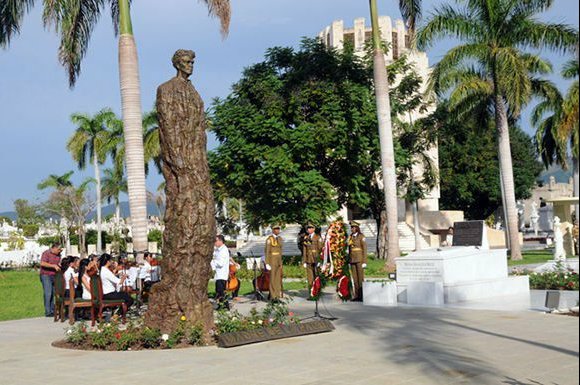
75,21
386,139
493,34
556,120
89,144
112,185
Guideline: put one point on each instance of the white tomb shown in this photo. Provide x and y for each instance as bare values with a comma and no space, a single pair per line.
466,273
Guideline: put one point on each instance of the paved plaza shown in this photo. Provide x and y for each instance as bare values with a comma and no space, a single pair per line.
370,345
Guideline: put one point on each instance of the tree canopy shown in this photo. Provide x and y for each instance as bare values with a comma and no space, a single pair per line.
298,135
469,166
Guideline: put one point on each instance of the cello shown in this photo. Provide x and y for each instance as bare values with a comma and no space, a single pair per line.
233,284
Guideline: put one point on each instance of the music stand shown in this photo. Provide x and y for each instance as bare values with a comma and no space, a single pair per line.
317,315
258,295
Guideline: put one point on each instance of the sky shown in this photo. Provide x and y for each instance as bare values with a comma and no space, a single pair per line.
36,102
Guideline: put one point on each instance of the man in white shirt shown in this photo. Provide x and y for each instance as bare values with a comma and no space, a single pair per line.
220,264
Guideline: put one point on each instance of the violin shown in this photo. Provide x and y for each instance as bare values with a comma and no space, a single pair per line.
233,281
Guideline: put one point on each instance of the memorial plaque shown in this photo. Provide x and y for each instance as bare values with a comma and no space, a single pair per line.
230,340
419,271
469,233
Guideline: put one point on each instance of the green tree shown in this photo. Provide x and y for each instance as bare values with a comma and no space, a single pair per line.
113,184
294,127
490,63
298,136
89,143
27,214
468,164
556,120
72,204
75,21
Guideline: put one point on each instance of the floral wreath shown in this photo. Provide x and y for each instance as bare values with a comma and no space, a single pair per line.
334,263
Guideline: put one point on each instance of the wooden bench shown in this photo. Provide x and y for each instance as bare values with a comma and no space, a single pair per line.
98,303
59,297
75,303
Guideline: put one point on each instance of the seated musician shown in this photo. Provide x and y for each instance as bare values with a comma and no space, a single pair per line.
145,272
111,283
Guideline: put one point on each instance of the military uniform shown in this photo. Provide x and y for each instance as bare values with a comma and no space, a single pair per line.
311,249
274,260
357,246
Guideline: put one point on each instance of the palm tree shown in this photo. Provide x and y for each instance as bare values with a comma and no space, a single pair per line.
556,120
56,181
59,183
151,140
493,34
75,21
112,185
89,143
386,139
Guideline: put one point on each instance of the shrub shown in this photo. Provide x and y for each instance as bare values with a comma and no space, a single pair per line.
155,236
30,230
48,241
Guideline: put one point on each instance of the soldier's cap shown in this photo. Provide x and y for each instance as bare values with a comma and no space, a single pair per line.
274,227
354,224
310,226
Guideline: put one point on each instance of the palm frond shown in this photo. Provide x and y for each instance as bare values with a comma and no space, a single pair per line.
11,15
74,21
531,33
570,69
447,22
411,10
222,10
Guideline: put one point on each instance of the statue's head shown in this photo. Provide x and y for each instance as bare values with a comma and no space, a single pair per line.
183,61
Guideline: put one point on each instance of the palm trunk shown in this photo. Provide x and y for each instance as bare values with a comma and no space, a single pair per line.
386,139
416,225
99,209
133,130
575,168
117,212
503,206
505,163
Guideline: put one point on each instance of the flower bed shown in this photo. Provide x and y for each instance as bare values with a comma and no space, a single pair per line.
559,279
273,322
132,336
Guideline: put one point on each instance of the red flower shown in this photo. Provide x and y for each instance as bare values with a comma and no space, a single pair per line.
316,286
344,287
118,336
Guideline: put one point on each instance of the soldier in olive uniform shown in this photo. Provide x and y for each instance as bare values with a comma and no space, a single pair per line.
311,248
274,263
357,248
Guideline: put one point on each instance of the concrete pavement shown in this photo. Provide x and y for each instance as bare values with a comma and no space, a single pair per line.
419,346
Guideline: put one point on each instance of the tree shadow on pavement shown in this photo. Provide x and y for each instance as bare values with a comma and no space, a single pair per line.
419,338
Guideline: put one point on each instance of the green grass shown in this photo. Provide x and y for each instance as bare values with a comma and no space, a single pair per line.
20,295
532,257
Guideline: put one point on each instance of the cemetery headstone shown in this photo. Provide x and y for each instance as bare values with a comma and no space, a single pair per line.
470,233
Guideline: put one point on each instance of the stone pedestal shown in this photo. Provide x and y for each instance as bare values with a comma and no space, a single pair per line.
380,293
465,274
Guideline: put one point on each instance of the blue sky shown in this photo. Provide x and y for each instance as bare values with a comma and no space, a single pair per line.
36,103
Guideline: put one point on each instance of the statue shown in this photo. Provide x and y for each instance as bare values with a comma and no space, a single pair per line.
521,220
559,253
534,218
190,227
